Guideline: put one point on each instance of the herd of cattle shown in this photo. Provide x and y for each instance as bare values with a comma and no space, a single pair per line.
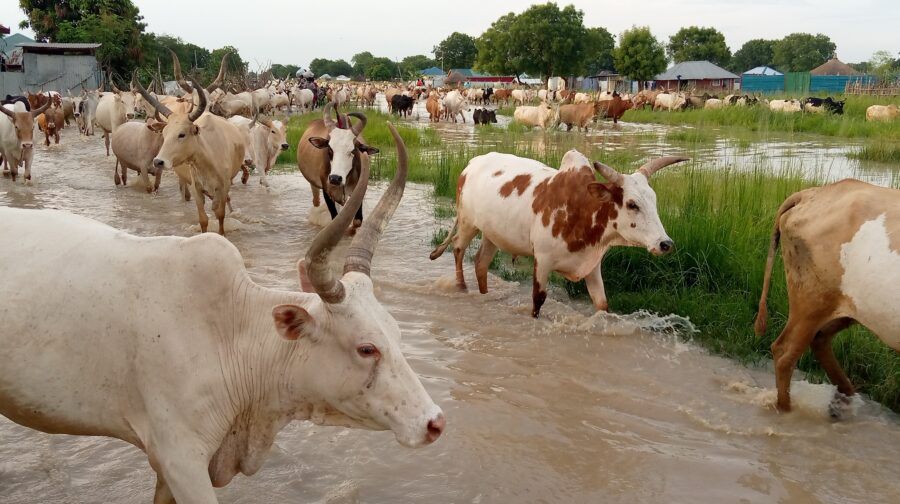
258,358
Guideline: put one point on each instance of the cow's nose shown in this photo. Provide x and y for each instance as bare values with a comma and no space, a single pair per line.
335,179
666,246
129,116
27,145
285,146
435,428
159,163
77,115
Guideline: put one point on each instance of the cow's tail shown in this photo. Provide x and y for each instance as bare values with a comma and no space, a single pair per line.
439,251
762,317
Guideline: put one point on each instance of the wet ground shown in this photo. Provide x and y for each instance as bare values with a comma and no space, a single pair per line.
571,408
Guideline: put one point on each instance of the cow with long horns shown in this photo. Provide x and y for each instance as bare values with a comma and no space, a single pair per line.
205,151
205,389
563,218
330,154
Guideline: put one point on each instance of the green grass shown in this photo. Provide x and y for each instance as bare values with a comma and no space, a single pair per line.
852,124
690,136
883,152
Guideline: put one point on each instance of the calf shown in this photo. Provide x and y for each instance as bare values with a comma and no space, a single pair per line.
51,122
135,145
842,263
434,107
484,116
565,219
579,114
614,109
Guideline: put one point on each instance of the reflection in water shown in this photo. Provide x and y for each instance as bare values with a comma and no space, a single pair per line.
575,407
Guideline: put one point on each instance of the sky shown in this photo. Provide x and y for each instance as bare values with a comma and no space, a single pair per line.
295,32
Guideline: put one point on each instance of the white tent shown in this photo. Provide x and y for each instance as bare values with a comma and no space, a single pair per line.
342,78
325,77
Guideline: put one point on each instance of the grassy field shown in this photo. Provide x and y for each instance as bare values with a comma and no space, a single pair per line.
721,221
852,124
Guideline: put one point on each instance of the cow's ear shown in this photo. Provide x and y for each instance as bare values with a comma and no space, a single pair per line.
292,322
368,149
319,142
305,284
598,190
195,129
156,127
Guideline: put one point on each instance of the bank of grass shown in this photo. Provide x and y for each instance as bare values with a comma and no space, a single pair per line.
883,152
852,124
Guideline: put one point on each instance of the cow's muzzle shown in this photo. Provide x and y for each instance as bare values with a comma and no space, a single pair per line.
665,247
159,163
335,180
285,146
435,428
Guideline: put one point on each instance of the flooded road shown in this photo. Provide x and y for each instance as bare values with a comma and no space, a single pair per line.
572,408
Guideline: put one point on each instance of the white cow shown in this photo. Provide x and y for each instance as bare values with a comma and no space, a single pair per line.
302,98
673,101
111,113
542,115
521,96
267,139
454,104
17,138
204,387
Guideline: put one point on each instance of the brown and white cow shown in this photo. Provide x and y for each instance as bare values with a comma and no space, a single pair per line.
564,218
329,155
841,250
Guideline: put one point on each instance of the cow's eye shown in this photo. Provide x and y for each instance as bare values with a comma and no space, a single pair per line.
368,350
181,135
633,206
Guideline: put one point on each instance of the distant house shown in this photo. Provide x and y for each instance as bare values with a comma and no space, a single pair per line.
342,78
4,30
432,72
697,75
326,77
834,66
52,67
762,70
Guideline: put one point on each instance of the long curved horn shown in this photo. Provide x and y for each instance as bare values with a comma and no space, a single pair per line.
179,78
147,96
326,116
609,173
359,255
8,112
255,112
219,78
330,289
657,164
361,125
201,107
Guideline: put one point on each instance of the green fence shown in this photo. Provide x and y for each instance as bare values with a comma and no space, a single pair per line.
796,83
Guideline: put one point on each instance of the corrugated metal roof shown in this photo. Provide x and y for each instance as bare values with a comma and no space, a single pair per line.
696,70
432,71
763,70
8,44
39,45
467,72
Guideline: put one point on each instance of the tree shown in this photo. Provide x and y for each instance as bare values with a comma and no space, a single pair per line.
801,52
361,62
599,49
456,51
321,66
698,44
280,71
754,53
544,40
380,71
234,66
116,24
496,52
639,55
883,65
411,66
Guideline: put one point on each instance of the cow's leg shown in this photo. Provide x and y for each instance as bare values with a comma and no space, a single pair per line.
199,200
219,202
56,136
106,141
821,347
461,241
483,261
47,136
117,179
27,158
163,494
787,350
594,282
315,195
184,477
245,174
539,289
332,208
156,183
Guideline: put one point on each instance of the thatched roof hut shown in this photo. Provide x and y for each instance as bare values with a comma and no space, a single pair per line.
834,66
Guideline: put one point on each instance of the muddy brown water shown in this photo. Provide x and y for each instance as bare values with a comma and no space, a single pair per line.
573,408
